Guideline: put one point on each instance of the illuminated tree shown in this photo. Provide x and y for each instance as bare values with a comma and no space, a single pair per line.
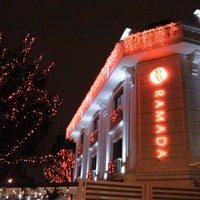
26,107
60,168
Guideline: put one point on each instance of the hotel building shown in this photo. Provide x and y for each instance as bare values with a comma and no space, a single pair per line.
137,131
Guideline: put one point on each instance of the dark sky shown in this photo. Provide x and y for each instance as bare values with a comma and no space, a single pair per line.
79,35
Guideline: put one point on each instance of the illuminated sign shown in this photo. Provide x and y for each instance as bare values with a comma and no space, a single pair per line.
160,119
161,128
157,77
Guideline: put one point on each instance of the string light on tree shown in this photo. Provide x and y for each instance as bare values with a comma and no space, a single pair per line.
60,169
26,106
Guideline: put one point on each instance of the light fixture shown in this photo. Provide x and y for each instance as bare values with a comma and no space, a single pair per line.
10,180
123,170
105,176
125,34
197,13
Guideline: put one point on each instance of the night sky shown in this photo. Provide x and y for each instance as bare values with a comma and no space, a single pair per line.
79,35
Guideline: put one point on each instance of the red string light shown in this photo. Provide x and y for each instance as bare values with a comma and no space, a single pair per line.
60,169
24,101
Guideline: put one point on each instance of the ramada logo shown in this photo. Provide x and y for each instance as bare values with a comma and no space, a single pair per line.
158,75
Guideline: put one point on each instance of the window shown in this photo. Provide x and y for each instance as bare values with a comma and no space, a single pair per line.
94,133
96,124
82,137
80,146
118,101
117,149
93,162
79,171
92,170
117,113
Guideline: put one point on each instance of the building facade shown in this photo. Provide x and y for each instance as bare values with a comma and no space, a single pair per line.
139,125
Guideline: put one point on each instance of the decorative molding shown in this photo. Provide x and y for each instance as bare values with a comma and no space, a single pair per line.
103,104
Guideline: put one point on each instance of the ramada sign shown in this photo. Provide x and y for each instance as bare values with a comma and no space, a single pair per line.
161,109
158,76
